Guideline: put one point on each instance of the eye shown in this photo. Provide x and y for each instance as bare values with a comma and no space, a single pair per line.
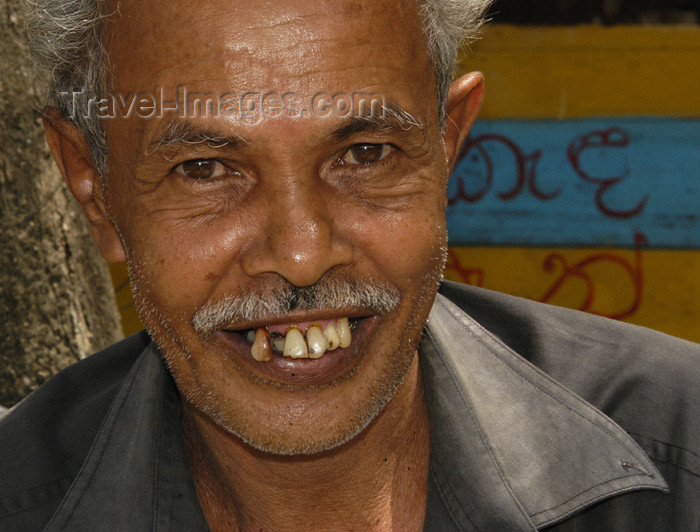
366,153
200,169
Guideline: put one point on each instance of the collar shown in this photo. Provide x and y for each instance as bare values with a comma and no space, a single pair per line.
136,475
512,449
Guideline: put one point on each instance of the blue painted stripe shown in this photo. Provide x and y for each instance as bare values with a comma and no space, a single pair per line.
594,182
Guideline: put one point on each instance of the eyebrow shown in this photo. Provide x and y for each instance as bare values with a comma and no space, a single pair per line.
178,132
393,117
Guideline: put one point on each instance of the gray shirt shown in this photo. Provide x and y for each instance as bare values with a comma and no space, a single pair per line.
515,391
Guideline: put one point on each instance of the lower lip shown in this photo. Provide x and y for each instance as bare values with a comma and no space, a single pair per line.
303,371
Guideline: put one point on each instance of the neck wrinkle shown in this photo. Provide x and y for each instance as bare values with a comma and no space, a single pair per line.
377,481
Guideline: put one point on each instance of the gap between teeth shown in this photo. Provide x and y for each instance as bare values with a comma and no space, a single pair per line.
314,344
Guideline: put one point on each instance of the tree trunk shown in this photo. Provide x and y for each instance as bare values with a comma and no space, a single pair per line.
56,299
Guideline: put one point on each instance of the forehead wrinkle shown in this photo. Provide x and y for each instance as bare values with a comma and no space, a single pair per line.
300,24
283,62
283,33
262,45
317,43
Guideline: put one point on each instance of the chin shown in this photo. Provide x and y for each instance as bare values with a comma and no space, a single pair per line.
218,387
299,422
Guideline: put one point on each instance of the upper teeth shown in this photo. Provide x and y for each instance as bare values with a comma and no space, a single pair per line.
261,345
344,332
294,345
318,344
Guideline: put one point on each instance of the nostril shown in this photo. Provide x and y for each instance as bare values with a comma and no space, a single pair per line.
298,244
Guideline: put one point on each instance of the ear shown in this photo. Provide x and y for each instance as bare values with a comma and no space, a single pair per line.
463,105
72,155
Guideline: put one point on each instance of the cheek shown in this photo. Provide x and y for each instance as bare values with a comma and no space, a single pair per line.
182,266
408,249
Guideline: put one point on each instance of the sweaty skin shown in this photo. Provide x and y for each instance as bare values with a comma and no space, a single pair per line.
341,447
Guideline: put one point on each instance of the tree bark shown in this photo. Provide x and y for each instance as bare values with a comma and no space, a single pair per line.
56,298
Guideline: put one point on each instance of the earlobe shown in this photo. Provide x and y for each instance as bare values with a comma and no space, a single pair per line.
72,155
463,105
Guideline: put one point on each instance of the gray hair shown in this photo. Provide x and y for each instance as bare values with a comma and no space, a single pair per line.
65,41
449,24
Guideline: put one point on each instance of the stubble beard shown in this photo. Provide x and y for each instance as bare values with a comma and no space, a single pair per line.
174,349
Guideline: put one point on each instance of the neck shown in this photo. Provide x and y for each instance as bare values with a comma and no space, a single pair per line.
377,481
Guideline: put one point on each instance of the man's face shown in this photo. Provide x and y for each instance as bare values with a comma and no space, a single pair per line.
233,208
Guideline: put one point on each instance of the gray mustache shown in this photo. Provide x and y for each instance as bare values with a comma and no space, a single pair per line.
367,295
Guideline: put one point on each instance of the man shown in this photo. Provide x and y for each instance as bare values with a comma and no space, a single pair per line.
285,248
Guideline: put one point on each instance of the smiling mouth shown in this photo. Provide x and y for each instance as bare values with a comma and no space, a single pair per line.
300,340
293,353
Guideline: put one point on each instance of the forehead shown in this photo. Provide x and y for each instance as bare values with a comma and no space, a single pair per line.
288,44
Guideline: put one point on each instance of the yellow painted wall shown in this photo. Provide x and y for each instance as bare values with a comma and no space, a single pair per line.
584,71
653,288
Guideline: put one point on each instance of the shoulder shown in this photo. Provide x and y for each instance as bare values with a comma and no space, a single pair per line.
642,378
556,338
45,438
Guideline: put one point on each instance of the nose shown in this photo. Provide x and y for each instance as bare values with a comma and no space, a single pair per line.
299,237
